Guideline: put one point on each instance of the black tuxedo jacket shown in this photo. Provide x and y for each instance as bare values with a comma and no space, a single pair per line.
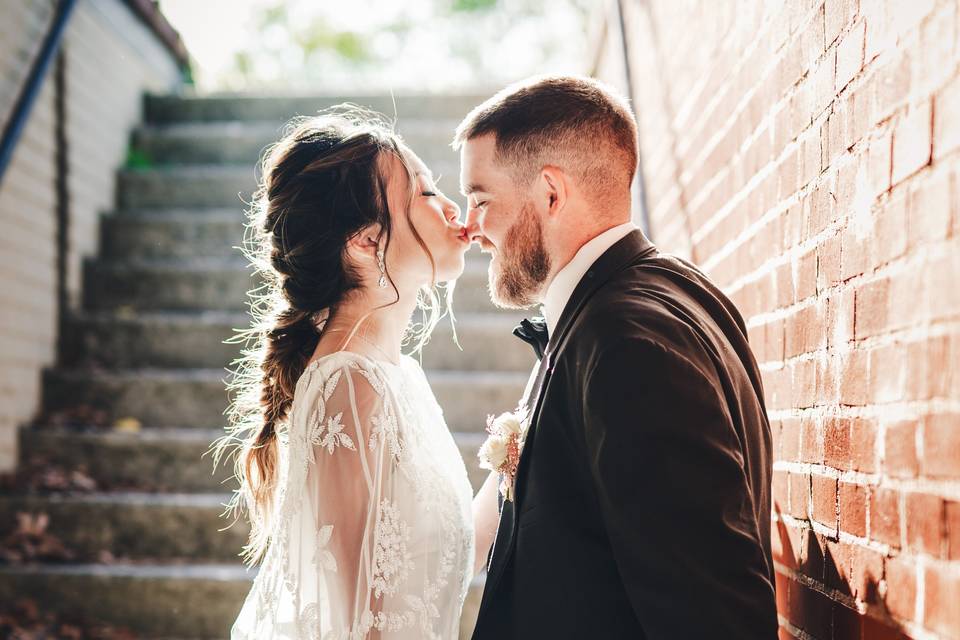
642,503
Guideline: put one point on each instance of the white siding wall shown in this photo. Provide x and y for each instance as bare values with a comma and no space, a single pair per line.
111,60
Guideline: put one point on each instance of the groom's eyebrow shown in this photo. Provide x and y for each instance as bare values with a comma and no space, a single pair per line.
470,188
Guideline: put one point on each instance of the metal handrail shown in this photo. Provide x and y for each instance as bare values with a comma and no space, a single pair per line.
31,88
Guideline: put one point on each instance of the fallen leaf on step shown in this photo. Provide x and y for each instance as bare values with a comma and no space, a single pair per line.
127,425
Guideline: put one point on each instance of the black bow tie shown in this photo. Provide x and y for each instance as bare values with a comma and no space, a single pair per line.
534,333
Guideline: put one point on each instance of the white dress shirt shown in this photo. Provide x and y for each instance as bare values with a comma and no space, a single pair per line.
567,279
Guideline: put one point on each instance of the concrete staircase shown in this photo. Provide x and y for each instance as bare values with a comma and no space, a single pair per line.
167,288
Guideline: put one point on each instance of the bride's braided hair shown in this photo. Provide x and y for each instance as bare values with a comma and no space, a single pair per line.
322,183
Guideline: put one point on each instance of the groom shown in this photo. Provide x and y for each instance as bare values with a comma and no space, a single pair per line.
641,504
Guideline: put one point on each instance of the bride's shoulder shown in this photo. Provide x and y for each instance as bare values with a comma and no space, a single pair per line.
325,368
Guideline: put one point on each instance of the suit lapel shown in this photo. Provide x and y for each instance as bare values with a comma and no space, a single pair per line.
626,251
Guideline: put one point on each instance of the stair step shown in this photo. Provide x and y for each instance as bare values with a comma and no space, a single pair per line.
219,284
196,601
182,234
157,600
156,339
193,398
197,398
468,397
487,340
187,186
472,291
228,107
173,235
165,459
209,185
179,339
243,143
213,284
136,526
154,459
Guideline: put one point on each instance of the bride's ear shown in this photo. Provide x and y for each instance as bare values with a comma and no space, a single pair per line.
363,245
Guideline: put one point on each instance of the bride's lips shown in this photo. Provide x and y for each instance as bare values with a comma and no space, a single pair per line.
462,236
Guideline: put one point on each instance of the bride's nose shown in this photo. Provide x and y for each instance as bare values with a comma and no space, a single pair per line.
452,211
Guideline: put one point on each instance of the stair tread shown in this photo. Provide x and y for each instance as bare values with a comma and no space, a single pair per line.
168,434
194,570
253,128
208,374
199,500
471,318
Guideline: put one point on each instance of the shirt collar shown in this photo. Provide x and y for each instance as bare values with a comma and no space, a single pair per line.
567,279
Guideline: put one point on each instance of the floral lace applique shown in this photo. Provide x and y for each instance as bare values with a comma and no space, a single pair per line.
391,559
385,429
322,557
335,435
375,381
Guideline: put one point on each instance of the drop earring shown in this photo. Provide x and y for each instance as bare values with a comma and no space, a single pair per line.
383,270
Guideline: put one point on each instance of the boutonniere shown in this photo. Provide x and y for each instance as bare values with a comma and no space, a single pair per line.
500,452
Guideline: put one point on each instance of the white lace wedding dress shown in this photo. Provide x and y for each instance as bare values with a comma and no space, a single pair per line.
373,532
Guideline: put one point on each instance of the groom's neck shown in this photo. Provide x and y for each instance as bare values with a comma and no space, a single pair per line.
566,242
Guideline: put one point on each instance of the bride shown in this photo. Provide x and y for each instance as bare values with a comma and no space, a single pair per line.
358,499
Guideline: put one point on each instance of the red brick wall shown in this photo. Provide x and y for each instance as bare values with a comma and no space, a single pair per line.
806,155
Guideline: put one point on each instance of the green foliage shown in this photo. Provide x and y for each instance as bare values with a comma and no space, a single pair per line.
422,44
316,37
473,5
137,159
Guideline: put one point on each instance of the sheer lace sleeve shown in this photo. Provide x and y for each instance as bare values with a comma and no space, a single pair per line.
361,554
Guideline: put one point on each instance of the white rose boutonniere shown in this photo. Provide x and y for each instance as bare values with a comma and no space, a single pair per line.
501,450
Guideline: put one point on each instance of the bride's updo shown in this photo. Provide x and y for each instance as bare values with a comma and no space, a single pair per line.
322,183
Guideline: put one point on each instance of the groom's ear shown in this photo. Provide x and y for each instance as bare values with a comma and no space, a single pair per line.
554,183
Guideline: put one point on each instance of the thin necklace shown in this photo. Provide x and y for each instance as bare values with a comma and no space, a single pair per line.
357,335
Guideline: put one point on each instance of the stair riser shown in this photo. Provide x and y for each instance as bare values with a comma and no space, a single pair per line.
188,234
156,237
133,531
492,347
126,461
166,109
466,404
130,343
118,460
199,401
108,286
201,187
154,607
158,607
232,187
156,401
111,285
246,146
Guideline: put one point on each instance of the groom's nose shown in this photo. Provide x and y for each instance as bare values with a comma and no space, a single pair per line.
473,225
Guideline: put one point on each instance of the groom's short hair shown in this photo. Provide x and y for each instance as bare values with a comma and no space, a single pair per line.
577,123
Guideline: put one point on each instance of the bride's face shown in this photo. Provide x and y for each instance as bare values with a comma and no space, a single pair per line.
435,218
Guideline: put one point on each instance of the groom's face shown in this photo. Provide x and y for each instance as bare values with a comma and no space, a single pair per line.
504,220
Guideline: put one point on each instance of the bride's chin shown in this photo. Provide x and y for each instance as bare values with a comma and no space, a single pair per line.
454,268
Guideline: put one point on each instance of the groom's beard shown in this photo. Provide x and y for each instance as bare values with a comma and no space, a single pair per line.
522,264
